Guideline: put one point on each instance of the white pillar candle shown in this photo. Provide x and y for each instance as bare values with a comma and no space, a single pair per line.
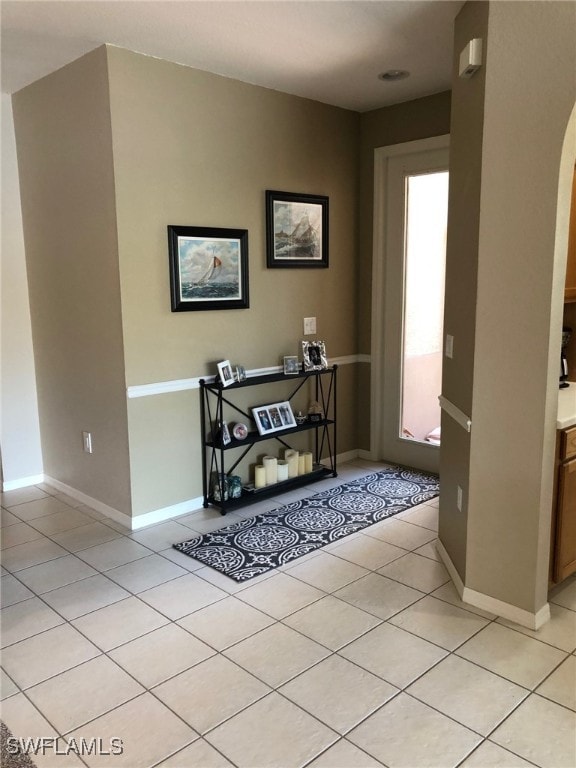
301,464
271,467
291,457
282,470
307,461
259,476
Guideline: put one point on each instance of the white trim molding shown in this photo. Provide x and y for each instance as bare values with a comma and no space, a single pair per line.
182,385
22,482
167,513
130,523
89,501
491,604
450,567
156,515
452,410
163,387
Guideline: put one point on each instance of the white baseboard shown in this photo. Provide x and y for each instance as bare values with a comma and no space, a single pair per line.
491,604
167,513
342,458
450,567
507,611
99,506
185,507
22,482
365,455
156,515
132,523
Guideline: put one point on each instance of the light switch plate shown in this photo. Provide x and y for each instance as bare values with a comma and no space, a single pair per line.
309,326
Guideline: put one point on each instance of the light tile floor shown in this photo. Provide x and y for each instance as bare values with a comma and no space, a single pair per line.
356,656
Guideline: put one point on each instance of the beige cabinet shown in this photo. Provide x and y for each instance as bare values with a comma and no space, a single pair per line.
563,559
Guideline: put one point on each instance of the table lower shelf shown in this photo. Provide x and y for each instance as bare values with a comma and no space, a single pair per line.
253,496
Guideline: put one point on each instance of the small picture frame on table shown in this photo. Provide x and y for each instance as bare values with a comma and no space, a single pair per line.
314,353
274,417
225,373
291,365
240,373
225,434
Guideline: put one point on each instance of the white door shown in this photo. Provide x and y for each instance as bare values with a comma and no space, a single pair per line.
410,251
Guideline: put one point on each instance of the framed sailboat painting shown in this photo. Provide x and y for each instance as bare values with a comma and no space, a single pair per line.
296,230
208,268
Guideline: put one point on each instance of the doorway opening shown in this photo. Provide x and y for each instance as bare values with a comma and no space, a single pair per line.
410,222
426,198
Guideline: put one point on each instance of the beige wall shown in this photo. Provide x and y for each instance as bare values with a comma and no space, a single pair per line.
466,132
400,123
191,148
113,148
517,302
65,162
20,428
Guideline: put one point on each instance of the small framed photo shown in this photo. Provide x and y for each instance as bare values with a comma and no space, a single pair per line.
225,434
225,373
291,365
296,230
273,418
314,353
240,373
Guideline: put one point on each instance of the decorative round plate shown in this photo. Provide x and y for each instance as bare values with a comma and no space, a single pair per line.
240,431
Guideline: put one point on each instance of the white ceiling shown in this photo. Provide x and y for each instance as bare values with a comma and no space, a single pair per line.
327,50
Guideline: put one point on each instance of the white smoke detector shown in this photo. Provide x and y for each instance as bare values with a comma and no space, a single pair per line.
471,58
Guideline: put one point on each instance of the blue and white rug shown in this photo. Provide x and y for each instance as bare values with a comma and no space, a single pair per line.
258,544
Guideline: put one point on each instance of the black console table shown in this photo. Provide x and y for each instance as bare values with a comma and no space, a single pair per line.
220,461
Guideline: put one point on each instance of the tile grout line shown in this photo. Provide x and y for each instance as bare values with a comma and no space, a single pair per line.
275,689
280,621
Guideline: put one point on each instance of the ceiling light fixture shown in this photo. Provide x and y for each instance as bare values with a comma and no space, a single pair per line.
392,75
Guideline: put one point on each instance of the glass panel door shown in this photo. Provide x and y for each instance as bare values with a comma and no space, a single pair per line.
424,269
415,223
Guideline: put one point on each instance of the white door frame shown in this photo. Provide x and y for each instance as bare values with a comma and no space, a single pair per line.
382,156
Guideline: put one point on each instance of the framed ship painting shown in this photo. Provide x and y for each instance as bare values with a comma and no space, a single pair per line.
296,230
208,268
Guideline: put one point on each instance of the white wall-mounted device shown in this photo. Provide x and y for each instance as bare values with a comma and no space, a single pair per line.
87,441
309,326
471,58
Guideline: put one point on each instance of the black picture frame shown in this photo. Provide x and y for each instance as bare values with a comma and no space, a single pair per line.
296,230
208,268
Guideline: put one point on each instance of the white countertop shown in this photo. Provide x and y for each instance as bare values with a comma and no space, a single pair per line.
566,407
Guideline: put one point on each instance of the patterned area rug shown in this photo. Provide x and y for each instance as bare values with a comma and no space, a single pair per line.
256,545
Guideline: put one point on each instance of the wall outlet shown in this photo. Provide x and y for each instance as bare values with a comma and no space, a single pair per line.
309,326
459,498
87,441
449,347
